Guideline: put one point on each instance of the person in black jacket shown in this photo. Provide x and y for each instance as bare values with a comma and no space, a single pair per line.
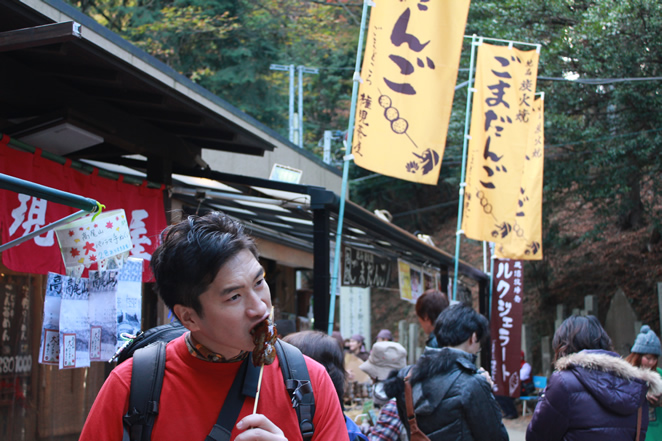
452,399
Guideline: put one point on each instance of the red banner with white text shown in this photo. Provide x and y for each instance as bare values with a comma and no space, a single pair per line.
506,327
22,214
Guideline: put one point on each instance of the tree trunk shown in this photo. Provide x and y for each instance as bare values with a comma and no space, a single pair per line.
633,207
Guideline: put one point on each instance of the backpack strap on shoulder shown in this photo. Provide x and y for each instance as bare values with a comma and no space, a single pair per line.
297,382
149,367
231,409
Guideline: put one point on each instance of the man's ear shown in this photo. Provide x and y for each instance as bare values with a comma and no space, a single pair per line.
187,316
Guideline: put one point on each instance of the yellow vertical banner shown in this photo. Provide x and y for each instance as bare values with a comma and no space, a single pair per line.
408,81
526,243
505,86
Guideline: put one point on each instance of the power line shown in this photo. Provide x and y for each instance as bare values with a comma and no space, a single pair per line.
603,138
598,81
428,208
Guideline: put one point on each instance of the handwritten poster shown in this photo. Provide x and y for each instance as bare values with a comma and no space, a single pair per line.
103,313
87,241
74,323
49,348
129,300
88,319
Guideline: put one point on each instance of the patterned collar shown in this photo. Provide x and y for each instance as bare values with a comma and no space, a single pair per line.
201,352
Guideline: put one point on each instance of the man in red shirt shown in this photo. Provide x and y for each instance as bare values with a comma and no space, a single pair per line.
207,272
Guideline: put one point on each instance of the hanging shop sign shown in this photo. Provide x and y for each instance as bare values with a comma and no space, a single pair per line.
365,269
506,327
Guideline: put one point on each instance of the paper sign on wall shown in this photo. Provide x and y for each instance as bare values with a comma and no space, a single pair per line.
49,349
74,323
86,241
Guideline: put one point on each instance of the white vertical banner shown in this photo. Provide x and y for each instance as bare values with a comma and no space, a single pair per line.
355,312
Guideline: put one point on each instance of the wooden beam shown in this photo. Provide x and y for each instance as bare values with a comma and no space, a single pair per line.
39,36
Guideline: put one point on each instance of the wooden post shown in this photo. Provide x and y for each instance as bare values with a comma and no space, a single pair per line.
546,349
560,316
411,348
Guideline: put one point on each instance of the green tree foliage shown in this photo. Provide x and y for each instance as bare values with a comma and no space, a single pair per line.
603,138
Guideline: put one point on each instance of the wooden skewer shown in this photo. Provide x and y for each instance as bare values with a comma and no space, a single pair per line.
259,379
257,395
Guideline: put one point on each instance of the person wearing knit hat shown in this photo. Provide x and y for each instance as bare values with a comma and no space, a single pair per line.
647,342
357,346
384,335
644,354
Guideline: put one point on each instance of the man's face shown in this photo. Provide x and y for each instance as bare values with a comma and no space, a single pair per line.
236,301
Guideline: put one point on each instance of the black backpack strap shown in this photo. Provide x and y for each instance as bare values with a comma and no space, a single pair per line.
146,381
297,382
232,405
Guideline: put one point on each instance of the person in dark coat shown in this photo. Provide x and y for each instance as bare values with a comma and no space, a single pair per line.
452,399
593,394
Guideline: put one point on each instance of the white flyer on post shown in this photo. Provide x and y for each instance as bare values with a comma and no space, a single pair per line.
74,324
49,347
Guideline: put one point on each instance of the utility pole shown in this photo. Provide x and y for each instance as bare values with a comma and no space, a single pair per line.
289,68
302,70
295,127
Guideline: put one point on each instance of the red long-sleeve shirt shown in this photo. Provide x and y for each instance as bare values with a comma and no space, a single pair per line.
194,391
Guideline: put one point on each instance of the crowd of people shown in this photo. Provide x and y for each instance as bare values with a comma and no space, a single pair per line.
207,272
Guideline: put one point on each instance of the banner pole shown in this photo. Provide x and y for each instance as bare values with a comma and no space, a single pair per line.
492,259
345,170
475,41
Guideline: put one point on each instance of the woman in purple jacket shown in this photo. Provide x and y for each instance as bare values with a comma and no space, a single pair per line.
593,394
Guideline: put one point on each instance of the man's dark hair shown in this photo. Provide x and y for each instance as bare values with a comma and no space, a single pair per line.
324,349
457,323
430,304
191,254
577,333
